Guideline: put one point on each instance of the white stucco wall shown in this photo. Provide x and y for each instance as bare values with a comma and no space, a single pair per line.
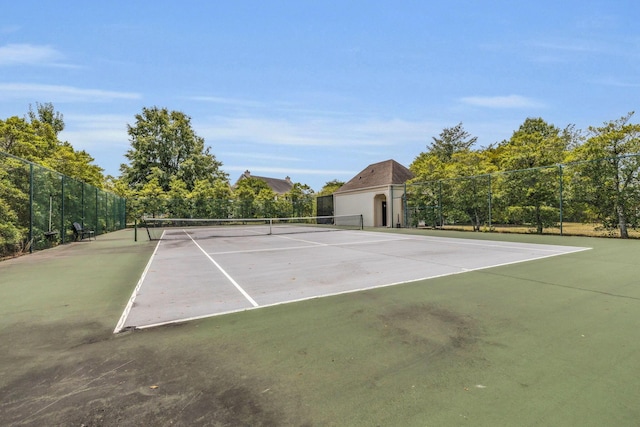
364,202
360,203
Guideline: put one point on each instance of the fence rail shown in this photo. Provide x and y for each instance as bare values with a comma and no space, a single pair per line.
38,207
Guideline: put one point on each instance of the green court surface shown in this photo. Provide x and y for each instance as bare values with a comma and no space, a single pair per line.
548,342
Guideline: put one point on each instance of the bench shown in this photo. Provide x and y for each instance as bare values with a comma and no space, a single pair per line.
80,233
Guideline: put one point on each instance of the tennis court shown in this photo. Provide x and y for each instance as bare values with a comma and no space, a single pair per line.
197,273
546,342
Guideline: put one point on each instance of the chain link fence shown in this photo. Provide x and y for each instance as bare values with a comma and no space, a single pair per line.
595,198
38,207
209,208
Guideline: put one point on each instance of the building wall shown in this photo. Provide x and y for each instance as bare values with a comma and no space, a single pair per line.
368,203
360,203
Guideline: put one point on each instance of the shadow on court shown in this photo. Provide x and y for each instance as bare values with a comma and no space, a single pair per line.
547,342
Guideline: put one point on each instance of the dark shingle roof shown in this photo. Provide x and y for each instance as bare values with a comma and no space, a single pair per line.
279,186
378,174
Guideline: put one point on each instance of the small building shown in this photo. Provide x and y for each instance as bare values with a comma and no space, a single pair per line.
377,193
279,186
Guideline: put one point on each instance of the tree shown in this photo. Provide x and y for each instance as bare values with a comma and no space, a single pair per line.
330,187
301,198
611,165
211,200
36,140
536,143
265,203
21,139
76,164
468,187
432,164
530,191
46,113
452,140
151,199
178,200
246,194
164,140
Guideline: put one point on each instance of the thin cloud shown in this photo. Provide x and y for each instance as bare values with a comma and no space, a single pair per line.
226,101
92,131
258,156
56,93
577,46
288,171
615,82
510,101
307,133
19,54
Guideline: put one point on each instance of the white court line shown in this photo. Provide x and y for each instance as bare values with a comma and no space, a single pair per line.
233,282
522,246
132,299
312,245
350,291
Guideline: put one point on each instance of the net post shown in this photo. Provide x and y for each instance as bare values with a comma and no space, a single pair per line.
146,226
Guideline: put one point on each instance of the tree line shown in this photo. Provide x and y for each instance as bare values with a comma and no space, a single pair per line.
171,171
603,184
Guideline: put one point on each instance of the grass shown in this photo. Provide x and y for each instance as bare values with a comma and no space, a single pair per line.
547,342
568,229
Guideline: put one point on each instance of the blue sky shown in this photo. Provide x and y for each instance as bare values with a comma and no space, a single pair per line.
318,90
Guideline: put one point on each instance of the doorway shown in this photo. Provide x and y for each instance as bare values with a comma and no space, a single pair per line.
384,213
380,210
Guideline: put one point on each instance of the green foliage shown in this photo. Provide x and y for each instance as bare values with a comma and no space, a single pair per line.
330,187
301,198
428,167
450,156
25,140
36,140
601,182
46,113
537,216
536,143
614,194
529,185
452,140
211,200
165,147
76,164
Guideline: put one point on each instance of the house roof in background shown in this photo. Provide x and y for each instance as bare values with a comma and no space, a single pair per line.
378,174
279,186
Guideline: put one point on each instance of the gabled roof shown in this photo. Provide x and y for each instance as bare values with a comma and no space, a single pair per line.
279,186
378,174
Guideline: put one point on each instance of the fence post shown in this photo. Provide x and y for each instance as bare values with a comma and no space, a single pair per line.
30,208
561,199
440,205
96,216
490,197
391,197
405,205
63,231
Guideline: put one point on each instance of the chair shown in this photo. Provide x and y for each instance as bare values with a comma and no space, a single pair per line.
80,233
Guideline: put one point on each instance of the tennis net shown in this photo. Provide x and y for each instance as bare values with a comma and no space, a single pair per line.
190,228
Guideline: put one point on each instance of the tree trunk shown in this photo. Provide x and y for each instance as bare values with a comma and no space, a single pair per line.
539,220
622,222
